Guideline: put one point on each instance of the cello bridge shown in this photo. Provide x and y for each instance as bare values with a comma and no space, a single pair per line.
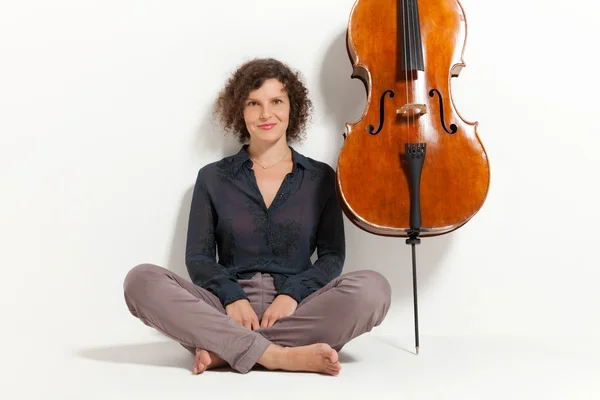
412,110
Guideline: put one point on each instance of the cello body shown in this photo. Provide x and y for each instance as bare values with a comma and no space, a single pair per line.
406,52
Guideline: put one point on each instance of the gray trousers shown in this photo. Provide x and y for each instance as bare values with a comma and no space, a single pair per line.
347,307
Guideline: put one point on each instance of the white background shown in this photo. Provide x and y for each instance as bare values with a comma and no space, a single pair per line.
105,119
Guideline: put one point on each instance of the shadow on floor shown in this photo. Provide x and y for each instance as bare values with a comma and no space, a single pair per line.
163,354
394,343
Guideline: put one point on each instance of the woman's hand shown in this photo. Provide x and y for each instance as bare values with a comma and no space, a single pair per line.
241,312
282,306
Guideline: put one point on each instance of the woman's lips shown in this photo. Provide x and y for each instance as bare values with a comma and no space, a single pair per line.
266,126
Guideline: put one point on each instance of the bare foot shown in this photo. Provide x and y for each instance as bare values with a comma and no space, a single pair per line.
206,360
318,357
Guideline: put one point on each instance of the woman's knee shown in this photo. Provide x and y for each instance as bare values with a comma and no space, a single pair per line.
375,291
377,283
372,282
136,279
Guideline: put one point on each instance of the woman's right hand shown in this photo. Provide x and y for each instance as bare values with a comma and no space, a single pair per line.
241,312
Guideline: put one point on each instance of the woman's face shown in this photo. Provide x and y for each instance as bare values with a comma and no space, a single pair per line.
267,112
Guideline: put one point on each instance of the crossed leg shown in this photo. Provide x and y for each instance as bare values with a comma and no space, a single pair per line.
196,319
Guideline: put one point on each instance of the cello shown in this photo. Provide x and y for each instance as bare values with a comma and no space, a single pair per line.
411,166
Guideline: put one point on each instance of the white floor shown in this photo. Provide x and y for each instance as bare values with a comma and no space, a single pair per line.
374,367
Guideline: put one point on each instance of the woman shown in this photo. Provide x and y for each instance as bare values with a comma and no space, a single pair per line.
265,209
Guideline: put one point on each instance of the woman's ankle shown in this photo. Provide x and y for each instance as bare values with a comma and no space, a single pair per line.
271,358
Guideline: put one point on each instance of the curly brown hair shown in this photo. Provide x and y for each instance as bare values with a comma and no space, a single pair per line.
229,106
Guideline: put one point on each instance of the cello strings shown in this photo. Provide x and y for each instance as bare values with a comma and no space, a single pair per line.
405,51
415,77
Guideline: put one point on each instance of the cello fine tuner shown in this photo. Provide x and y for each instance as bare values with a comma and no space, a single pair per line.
412,110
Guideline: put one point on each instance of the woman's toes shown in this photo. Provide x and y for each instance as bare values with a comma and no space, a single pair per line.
332,356
333,371
199,368
201,362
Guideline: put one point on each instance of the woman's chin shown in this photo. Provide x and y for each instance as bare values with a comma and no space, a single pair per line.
268,137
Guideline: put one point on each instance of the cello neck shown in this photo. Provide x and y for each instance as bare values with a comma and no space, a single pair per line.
409,31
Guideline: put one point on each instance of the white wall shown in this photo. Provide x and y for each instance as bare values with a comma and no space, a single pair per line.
105,121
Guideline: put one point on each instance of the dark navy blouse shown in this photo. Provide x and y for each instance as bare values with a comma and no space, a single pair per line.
228,213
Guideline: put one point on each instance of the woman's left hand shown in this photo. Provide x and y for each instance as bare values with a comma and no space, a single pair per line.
282,306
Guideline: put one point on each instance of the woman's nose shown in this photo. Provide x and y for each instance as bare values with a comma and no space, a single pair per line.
266,113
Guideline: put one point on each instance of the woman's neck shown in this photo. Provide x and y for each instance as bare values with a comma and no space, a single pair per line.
268,154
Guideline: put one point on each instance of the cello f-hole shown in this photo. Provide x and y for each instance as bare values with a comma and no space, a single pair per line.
370,127
453,127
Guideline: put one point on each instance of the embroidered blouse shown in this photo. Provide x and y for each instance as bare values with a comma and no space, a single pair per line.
229,219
